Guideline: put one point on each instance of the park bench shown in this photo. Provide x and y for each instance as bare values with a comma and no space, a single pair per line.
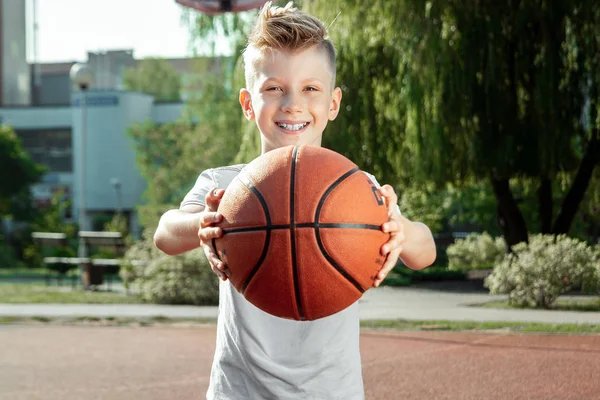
100,268
93,270
56,267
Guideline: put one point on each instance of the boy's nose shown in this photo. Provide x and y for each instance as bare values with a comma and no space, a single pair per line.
292,104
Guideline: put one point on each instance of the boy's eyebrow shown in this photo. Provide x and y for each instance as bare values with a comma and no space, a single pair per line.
274,78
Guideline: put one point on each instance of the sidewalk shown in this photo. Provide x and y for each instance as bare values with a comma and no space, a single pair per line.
377,304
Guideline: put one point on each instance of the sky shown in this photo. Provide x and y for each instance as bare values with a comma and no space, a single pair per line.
68,29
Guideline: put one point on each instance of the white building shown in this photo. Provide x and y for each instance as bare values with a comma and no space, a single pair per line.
53,117
53,136
15,86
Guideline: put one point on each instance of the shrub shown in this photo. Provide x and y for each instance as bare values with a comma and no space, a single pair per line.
61,268
476,251
7,256
163,279
535,274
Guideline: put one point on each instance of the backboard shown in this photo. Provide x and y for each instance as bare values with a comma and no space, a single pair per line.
215,7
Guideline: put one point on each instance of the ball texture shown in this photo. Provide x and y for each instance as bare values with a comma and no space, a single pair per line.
302,232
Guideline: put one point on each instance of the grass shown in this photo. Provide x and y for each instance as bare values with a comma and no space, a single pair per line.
522,327
105,321
28,293
403,276
584,304
397,325
39,274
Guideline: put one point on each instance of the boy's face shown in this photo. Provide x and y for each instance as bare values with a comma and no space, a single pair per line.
292,98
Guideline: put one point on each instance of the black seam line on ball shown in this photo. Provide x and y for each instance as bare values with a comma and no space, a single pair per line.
347,226
293,235
229,231
338,267
263,204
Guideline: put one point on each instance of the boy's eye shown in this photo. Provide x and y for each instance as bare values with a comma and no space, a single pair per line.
274,88
311,88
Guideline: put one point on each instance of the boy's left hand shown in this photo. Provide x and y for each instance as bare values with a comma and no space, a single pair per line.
395,228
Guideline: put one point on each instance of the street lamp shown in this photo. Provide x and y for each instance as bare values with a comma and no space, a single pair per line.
82,77
116,183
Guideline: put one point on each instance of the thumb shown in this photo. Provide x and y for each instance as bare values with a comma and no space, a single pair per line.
213,198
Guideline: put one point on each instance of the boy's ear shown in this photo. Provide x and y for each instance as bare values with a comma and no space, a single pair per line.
336,100
246,103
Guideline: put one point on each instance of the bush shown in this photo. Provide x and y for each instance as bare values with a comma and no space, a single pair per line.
429,274
476,251
7,256
159,278
535,275
61,268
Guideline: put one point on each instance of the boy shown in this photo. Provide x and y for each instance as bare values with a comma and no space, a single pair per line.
291,95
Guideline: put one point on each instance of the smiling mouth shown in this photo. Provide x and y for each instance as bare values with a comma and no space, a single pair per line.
292,127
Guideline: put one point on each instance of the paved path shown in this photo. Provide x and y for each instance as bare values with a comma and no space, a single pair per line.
381,303
168,362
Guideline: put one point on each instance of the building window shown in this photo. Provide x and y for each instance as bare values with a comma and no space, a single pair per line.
49,147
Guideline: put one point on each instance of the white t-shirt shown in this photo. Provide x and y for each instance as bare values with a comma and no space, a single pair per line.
260,356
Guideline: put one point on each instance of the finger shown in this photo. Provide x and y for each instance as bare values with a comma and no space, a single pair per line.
207,234
389,195
219,273
396,240
212,199
389,264
391,226
217,266
209,218
212,257
393,244
215,260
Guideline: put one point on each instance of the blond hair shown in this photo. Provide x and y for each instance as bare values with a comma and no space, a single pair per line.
287,29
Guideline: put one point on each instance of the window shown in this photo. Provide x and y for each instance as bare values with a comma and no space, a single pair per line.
49,147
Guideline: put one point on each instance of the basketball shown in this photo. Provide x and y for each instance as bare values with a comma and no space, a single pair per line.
302,232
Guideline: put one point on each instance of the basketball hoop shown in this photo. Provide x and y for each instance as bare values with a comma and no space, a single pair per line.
215,7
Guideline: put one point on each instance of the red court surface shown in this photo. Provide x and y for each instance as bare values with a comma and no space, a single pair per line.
173,362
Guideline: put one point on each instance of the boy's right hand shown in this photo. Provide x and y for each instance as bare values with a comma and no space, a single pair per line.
207,231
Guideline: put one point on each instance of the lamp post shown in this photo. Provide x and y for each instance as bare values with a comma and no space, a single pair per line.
81,76
116,183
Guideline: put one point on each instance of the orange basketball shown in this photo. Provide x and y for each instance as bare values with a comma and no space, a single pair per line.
302,232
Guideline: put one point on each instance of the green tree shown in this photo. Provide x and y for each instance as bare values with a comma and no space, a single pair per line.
211,132
170,158
448,91
154,76
20,172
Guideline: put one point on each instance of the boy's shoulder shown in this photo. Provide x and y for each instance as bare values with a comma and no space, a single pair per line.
233,168
225,168
221,176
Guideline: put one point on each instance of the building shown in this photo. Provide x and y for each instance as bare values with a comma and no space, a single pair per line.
15,81
98,120
56,121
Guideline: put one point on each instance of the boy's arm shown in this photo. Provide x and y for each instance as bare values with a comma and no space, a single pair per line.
190,227
418,250
177,230
410,241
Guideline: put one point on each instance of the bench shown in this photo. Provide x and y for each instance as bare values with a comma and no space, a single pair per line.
93,270
58,265
98,268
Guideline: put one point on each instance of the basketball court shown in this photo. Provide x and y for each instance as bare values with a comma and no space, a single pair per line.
173,362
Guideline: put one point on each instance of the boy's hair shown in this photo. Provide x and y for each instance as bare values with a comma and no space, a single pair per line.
288,29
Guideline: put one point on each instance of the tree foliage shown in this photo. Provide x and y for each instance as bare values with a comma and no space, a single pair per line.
154,76
20,172
172,155
449,91
478,112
